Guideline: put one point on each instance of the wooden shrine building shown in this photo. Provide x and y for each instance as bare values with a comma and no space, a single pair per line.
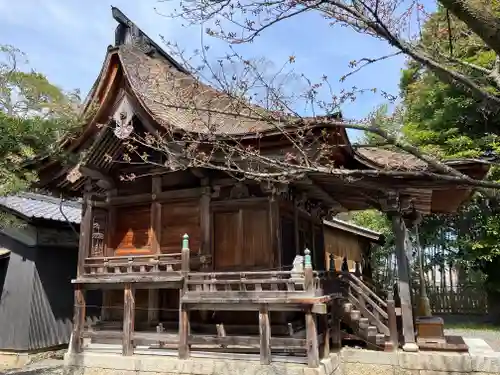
177,251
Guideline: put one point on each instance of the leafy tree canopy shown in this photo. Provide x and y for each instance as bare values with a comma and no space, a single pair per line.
34,114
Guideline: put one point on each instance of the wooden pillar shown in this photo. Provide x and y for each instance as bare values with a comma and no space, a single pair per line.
78,320
184,331
401,233
85,232
326,336
205,219
128,320
153,305
155,216
110,225
312,340
265,335
106,304
335,318
296,226
274,228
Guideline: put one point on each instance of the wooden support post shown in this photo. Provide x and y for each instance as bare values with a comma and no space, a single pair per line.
85,232
296,226
392,322
156,216
400,233
106,305
110,226
78,320
128,320
184,331
335,318
153,304
265,336
326,336
205,220
312,340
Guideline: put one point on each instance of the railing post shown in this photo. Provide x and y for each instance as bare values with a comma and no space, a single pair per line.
308,271
345,265
332,263
265,335
185,255
184,324
392,322
357,269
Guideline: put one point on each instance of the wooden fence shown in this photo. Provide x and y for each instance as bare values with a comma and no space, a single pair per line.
462,299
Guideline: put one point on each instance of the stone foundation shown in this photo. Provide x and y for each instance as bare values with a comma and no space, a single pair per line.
346,362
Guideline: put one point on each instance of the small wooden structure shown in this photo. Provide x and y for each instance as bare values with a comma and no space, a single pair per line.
38,258
239,237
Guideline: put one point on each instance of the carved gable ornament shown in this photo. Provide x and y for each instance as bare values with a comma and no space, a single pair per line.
74,174
123,119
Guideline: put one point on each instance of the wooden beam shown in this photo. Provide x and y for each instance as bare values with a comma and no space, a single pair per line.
128,320
265,336
94,174
149,197
78,320
318,189
312,340
402,243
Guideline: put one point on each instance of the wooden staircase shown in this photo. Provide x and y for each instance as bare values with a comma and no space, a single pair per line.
371,319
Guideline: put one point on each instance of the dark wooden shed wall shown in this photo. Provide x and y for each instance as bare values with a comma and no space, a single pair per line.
36,305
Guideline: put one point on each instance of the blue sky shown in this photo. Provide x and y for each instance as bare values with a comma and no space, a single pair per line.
67,39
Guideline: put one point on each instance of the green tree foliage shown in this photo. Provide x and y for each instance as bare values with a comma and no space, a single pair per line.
34,115
445,122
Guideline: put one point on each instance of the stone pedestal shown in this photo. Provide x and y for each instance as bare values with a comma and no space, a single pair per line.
430,329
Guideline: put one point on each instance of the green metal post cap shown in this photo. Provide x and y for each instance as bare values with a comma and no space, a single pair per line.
185,241
307,258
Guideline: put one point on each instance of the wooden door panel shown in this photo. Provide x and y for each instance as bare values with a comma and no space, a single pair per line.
226,241
133,230
177,219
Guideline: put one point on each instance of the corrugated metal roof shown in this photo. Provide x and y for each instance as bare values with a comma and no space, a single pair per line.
43,207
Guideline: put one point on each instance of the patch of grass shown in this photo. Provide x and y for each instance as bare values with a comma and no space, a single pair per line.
472,326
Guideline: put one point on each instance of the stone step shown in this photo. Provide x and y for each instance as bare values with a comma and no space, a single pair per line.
347,307
355,315
363,323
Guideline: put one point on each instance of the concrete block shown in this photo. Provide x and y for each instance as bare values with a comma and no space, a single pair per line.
452,362
368,356
488,363
365,368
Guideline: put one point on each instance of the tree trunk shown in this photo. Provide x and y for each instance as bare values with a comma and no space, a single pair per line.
479,18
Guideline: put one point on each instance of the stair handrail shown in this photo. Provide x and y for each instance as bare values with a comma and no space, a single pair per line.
367,290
